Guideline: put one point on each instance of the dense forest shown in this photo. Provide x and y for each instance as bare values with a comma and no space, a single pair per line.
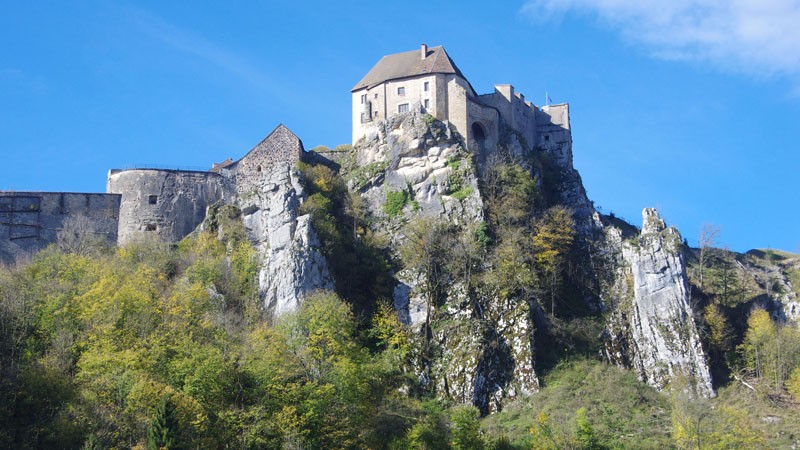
153,345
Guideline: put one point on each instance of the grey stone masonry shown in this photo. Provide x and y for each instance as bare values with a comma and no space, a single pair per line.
168,204
30,221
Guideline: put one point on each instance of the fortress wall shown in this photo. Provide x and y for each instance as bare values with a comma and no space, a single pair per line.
30,221
457,89
489,120
554,134
168,204
517,113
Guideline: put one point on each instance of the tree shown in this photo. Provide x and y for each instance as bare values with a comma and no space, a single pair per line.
465,428
431,431
427,251
757,345
770,350
793,384
720,334
585,434
707,240
77,236
724,280
164,430
554,234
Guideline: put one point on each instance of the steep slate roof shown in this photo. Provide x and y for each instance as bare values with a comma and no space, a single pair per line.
409,64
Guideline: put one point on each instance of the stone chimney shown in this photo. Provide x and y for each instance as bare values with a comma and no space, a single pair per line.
423,51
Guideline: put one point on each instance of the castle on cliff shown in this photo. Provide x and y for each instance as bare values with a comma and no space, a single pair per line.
170,204
430,81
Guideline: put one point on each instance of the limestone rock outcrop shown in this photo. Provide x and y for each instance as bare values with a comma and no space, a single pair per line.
482,348
269,193
651,328
292,265
417,154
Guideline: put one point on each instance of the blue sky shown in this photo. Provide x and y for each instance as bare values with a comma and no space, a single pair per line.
690,106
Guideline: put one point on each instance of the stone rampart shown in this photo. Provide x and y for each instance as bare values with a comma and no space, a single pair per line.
168,204
30,221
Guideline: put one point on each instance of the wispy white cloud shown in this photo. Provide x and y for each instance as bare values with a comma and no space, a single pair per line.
757,37
194,44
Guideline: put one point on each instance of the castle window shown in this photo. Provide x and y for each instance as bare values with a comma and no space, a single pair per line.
363,98
425,86
376,95
151,227
152,199
547,138
403,107
401,90
258,169
427,103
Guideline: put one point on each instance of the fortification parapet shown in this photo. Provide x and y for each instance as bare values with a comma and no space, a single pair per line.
168,204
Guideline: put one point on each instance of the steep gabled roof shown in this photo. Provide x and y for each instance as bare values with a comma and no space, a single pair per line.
409,64
281,143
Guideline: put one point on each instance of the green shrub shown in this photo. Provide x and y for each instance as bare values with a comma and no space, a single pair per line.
395,201
462,193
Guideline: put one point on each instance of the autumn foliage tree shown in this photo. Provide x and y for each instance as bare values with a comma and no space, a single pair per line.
552,241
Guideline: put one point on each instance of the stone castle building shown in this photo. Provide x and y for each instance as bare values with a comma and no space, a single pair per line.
170,204
165,203
429,80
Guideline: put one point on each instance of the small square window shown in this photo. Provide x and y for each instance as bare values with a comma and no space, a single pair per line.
547,138
376,95
401,90
425,86
152,199
403,107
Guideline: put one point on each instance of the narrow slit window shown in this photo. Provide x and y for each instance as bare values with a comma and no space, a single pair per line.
427,103
425,86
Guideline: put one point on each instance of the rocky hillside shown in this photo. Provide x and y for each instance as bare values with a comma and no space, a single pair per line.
390,293
482,273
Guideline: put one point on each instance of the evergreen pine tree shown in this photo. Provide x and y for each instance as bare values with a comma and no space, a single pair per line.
163,431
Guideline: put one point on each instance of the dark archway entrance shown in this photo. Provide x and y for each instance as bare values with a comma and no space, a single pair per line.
478,134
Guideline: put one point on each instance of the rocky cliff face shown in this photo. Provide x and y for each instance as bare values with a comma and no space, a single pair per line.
482,348
265,186
292,265
417,154
651,328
